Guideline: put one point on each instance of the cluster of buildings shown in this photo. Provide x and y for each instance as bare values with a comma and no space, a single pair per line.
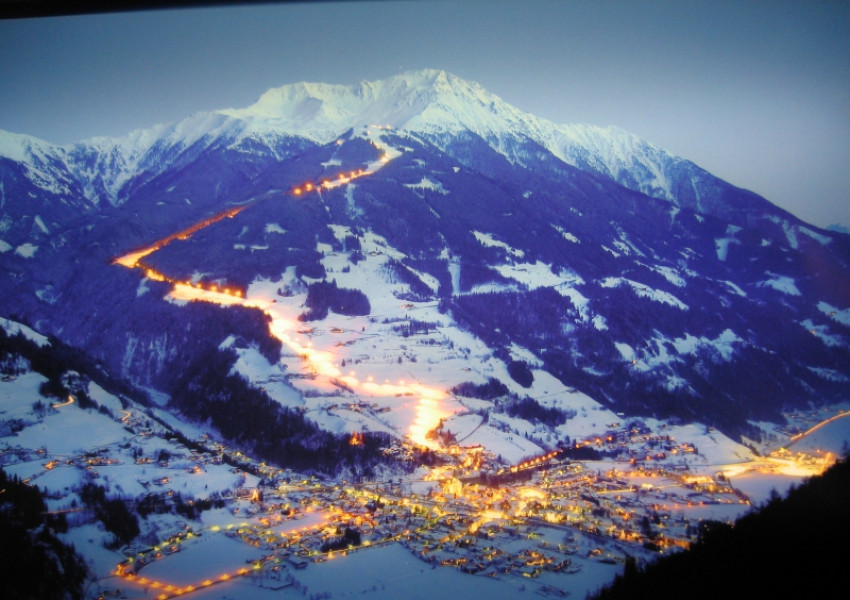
562,511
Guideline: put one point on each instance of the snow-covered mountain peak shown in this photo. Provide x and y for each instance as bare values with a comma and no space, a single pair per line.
441,105
22,148
430,103
323,111
425,101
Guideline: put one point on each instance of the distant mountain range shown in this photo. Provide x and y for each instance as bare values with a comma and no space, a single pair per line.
628,274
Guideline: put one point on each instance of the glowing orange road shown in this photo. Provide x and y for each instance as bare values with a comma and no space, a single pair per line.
132,260
70,400
428,411
323,362
164,590
168,590
800,436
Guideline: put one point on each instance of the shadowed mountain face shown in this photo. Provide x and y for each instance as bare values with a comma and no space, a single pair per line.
629,274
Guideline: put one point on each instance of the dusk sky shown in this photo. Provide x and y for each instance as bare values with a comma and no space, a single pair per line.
758,93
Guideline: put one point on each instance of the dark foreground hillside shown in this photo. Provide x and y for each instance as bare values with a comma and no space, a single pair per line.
34,562
795,547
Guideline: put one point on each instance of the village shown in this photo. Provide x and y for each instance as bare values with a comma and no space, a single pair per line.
541,519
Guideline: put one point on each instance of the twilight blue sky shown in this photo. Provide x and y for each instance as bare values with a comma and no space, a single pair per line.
756,92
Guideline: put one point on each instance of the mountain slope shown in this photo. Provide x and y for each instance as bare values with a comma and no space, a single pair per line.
584,255
440,106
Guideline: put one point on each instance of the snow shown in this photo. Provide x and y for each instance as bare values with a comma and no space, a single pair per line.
566,234
820,238
789,229
14,328
89,540
454,272
714,448
69,430
841,316
274,228
427,184
831,437
377,572
487,240
26,250
438,103
758,486
15,146
362,350
431,103
540,274
272,378
643,291
829,374
723,344
38,221
781,283
625,244
351,207
590,417
670,274
534,275
18,395
661,351
675,382
822,333
104,398
340,231
512,447
626,351
143,287
791,232
721,245
4,246
735,289
391,572
203,557
524,354
62,479
622,247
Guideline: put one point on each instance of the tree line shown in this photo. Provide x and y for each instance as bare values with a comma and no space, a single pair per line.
34,562
210,392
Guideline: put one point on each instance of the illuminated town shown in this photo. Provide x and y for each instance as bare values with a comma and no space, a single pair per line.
546,519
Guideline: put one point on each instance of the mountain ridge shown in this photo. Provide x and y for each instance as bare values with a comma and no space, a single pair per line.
430,103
